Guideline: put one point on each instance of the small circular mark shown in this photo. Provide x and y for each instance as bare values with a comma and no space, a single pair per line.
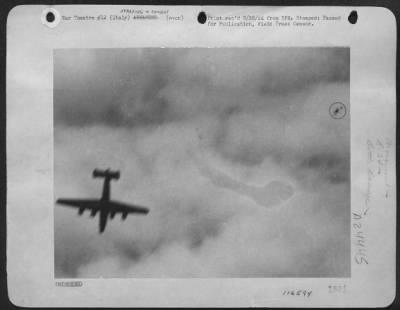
337,110
353,16
50,17
202,17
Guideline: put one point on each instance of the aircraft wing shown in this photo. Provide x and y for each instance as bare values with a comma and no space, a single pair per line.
125,208
91,204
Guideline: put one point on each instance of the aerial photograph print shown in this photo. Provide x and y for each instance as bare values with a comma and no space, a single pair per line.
202,162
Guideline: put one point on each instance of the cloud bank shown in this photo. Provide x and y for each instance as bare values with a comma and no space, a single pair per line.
233,150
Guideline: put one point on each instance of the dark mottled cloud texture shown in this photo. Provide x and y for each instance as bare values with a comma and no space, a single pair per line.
234,151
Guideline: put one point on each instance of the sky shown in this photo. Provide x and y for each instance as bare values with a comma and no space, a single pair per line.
233,151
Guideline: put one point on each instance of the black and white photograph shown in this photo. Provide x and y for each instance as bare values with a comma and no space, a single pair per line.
201,156
202,162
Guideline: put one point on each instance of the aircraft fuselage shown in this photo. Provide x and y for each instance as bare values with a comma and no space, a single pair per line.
105,199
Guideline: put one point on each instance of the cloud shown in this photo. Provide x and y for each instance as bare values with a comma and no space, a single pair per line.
268,195
141,87
206,138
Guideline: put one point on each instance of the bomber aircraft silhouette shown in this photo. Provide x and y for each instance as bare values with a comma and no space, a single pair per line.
104,205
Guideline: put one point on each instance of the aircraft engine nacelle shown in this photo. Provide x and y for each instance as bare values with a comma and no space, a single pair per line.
97,173
93,213
124,216
81,210
112,214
